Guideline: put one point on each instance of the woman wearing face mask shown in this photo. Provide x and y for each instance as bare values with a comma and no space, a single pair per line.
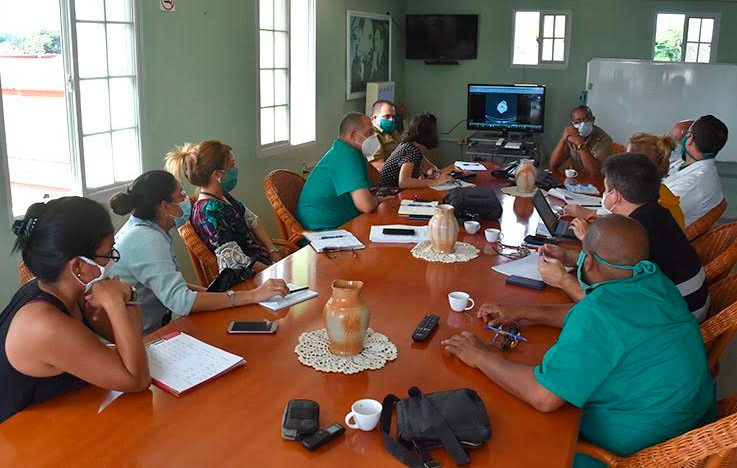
158,204
225,224
48,344
407,166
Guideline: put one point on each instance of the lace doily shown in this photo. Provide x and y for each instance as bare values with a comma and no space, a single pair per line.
314,350
513,191
463,253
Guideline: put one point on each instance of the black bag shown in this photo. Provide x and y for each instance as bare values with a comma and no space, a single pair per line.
475,201
229,277
453,420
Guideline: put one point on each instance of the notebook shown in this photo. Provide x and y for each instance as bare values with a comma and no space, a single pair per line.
469,166
577,198
179,363
377,234
451,185
333,240
411,207
525,267
278,302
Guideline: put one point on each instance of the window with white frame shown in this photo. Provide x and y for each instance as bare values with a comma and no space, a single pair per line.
286,73
69,120
541,38
681,37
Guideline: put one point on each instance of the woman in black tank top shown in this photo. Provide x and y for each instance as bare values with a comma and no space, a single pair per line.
48,342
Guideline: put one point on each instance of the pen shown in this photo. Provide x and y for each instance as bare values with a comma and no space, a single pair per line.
504,332
331,237
292,291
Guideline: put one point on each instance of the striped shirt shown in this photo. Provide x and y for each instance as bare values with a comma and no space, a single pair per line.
676,257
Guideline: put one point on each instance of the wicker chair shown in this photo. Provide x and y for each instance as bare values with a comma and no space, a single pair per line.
617,148
703,224
709,446
24,273
203,260
718,330
282,190
717,250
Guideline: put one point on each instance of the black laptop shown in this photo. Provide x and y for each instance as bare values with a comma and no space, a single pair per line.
556,227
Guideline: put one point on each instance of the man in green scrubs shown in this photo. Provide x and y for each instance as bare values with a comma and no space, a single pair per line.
337,189
630,353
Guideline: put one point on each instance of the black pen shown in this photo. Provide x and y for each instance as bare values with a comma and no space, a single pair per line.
292,291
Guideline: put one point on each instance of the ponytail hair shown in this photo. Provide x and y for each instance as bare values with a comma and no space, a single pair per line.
197,161
144,195
657,148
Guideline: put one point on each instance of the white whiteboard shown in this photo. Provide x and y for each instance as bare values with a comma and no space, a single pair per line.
629,96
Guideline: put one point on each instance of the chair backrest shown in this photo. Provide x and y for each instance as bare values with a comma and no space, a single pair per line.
282,189
203,260
718,330
703,224
617,148
373,175
717,250
24,273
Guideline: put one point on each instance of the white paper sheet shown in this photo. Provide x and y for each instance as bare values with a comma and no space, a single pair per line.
278,302
421,233
469,166
524,267
451,185
577,198
411,207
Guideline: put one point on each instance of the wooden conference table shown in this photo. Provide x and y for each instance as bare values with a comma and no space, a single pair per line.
236,419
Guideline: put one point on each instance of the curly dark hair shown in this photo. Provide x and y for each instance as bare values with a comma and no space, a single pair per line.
423,129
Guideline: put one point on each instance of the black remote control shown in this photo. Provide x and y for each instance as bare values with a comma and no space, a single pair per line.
425,328
323,436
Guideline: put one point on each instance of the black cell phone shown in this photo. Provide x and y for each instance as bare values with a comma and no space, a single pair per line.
301,418
466,176
526,282
398,232
455,174
539,240
263,326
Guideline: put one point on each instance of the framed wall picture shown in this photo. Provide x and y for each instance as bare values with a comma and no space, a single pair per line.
369,45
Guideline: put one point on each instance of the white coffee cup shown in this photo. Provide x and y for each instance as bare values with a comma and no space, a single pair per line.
493,235
571,173
459,301
365,413
472,227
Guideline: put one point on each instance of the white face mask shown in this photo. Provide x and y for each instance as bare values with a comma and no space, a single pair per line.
104,273
606,211
370,146
585,128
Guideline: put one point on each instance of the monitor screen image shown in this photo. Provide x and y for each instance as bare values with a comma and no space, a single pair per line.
512,108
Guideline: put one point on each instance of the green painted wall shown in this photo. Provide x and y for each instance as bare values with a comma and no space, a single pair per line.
600,28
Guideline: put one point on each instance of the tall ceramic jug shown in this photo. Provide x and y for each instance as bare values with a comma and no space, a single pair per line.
346,318
526,176
443,229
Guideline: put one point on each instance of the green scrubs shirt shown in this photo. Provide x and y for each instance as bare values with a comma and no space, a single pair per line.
325,201
631,356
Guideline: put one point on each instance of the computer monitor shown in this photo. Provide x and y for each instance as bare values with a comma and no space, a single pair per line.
507,108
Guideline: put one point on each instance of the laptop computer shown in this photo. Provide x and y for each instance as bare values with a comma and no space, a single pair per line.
557,227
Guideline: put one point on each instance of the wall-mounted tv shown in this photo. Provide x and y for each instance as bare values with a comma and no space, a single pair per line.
507,108
442,37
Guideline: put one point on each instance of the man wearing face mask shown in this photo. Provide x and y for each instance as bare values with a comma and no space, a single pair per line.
676,133
696,181
632,186
337,189
585,144
383,115
629,354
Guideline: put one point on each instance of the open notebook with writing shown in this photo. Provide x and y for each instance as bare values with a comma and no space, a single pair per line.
179,363
339,239
282,302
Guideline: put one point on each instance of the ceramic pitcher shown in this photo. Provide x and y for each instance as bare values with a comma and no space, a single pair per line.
526,176
443,229
346,318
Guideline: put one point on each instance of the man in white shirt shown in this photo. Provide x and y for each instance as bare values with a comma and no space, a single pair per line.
697,181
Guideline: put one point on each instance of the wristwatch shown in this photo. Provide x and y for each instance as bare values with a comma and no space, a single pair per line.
231,295
134,295
274,249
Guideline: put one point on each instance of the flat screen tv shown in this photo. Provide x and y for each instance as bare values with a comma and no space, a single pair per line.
441,37
507,108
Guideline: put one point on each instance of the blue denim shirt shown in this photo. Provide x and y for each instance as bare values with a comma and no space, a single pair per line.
148,263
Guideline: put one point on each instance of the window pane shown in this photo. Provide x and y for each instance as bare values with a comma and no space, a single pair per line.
280,50
118,10
280,14
692,49
559,50
89,10
266,14
302,64
281,124
91,50
95,106
120,49
704,53
560,26
526,29
267,88
267,126
267,49
547,49
548,26
122,103
98,160
126,161
707,29
668,37
694,29
280,87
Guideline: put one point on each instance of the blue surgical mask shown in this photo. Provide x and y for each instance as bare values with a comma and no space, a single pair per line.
186,207
387,125
585,128
230,180
641,267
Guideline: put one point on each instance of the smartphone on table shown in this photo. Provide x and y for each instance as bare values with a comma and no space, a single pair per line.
262,326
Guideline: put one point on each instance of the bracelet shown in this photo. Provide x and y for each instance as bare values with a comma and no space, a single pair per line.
231,295
274,249
133,296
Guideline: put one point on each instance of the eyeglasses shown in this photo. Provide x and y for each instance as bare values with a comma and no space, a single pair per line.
114,255
505,339
512,251
333,253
